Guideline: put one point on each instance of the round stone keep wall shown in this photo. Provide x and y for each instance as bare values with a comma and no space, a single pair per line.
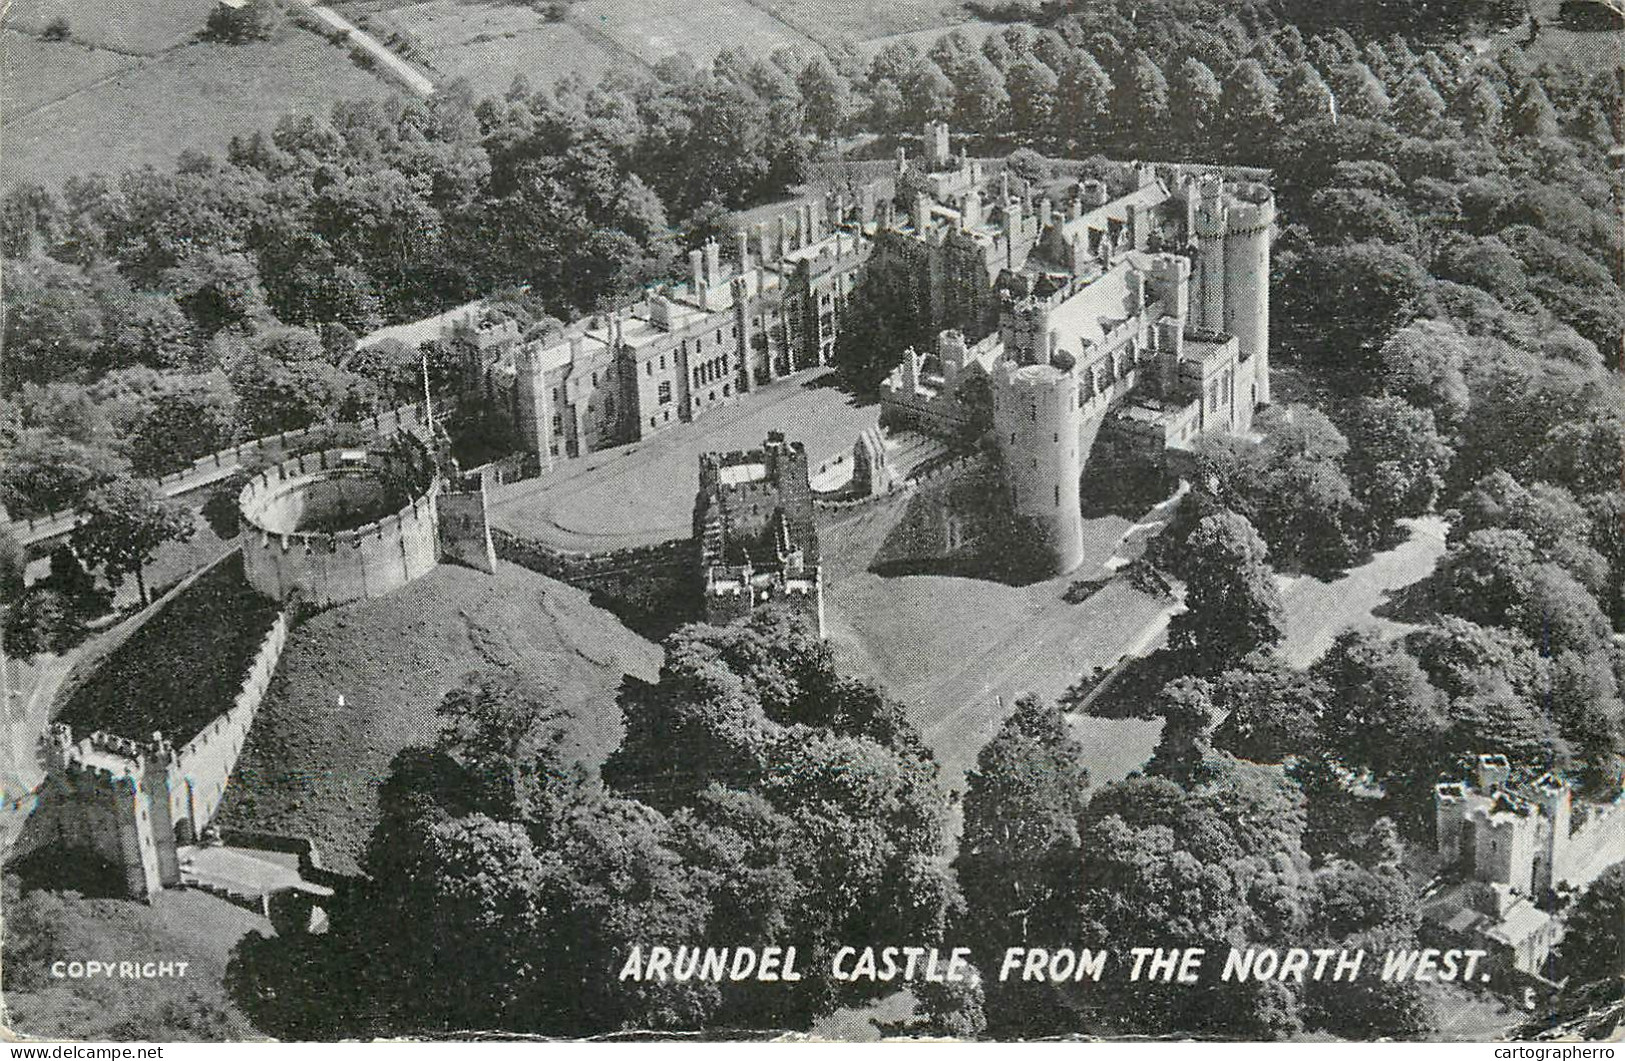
323,568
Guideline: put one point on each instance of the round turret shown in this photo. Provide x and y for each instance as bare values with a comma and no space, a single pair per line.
1247,281
1037,420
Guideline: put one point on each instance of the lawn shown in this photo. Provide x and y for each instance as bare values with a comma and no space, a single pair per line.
654,29
832,22
644,493
1317,611
487,43
35,72
146,27
923,39
198,96
959,651
179,925
358,683
180,669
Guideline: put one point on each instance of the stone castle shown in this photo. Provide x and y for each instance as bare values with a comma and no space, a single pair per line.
1136,304
302,538
318,530
1143,316
686,348
135,804
1509,847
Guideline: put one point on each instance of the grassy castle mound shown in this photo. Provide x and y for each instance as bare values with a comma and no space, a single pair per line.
358,683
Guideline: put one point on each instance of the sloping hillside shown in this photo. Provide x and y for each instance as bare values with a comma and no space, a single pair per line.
358,683
181,668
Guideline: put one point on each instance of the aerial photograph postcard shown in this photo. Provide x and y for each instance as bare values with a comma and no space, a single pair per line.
832,521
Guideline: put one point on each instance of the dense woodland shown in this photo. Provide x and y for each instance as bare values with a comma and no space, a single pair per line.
1447,327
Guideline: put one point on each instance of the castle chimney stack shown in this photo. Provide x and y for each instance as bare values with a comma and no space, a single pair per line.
742,246
713,266
696,269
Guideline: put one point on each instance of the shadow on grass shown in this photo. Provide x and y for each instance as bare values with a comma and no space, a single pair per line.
1135,689
1416,603
77,870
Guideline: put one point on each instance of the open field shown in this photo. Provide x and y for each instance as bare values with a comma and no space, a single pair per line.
198,96
134,28
644,493
976,30
834,20
358,683
958,651
487,43
35,72
654,29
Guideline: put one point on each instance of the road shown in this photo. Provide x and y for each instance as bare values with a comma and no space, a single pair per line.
1317,611
21,768
404,71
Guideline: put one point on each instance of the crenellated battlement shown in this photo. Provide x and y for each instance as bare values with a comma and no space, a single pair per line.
324,567
1245,217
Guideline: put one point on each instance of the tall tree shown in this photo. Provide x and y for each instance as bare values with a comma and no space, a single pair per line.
1593,946
1382,715
1195,97
1023,803
1032,87
1396,460
826,95
1232,607
1304,94
1085,97
1142,96
123,525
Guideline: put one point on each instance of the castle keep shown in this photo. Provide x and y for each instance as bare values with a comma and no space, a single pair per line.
347,524
318,530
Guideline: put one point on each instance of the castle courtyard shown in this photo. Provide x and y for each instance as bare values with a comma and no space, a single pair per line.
643,493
